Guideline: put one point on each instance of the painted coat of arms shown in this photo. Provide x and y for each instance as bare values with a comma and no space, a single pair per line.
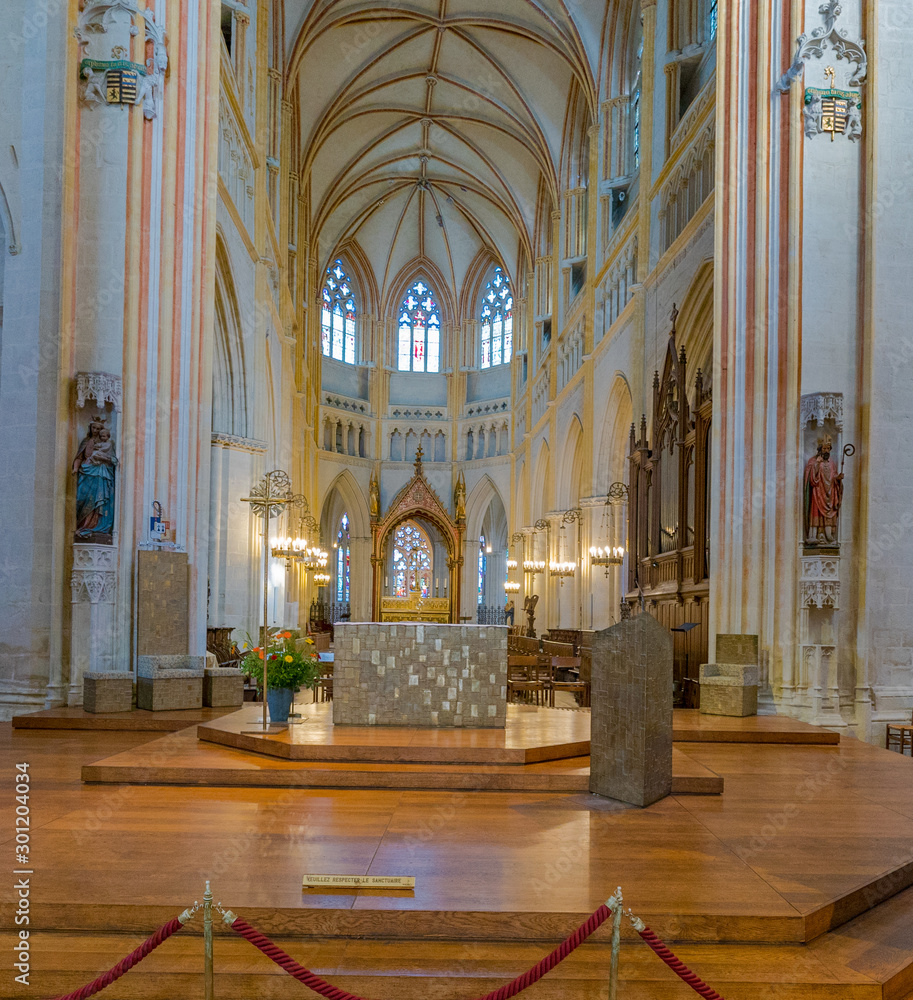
838,112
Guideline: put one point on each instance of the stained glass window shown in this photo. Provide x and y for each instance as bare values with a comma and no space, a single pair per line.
713,19
635,105
343,560
419,331
337,315
412,561
497,321
482,567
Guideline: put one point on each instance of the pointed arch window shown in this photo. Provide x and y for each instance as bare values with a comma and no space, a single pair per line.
497,321
412,561
338,314
343,560
419,330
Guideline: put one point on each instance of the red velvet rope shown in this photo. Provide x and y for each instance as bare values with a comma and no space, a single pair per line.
326,989
679,967
134,958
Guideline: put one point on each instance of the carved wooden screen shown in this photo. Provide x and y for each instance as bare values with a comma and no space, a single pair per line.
668,529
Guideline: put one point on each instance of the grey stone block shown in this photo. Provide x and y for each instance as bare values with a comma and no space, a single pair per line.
729,689
223,687
631,714
156,666
107,691
178,690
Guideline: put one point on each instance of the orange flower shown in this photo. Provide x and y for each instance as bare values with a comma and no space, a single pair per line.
260,653
285,635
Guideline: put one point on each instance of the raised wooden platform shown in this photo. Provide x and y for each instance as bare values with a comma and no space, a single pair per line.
688,725
805,840
137,721
531,735
180,759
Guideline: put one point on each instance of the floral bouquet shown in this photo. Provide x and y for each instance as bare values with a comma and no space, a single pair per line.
287,665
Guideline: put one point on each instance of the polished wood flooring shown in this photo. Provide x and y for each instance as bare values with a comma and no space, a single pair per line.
793,883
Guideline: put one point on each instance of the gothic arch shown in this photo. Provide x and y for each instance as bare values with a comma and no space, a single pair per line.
421,267
611,466
539,505
229,375
694,327
345,495
367,297
570,477
484,493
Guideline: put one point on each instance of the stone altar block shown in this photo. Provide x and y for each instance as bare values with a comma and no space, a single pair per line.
420,675
107,691
169,683
631,714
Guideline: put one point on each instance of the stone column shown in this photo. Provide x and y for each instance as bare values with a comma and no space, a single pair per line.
137,305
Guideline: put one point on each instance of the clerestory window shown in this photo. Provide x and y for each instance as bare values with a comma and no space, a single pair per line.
497,321
419,330
338,315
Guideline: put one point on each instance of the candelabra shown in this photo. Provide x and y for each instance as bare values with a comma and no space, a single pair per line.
611,553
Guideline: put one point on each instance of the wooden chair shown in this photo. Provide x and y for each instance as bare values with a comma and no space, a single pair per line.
324,689
899,736
523,680
571,681
551,648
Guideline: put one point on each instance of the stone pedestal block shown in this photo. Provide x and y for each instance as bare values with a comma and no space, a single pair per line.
107,691
729,689
631,715
222,687
169,683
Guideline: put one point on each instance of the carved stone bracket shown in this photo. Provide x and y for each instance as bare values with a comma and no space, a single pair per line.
820,594
100,386
821,406
94,576
813,45
239,443
823,567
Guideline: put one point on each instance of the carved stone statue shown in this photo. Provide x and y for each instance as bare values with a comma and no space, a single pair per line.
822,495
94,467
459,498
374,499
509,613
529,606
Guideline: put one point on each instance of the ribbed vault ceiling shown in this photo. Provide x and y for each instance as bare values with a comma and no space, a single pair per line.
429,127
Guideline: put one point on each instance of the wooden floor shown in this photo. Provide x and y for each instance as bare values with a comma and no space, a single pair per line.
770,890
